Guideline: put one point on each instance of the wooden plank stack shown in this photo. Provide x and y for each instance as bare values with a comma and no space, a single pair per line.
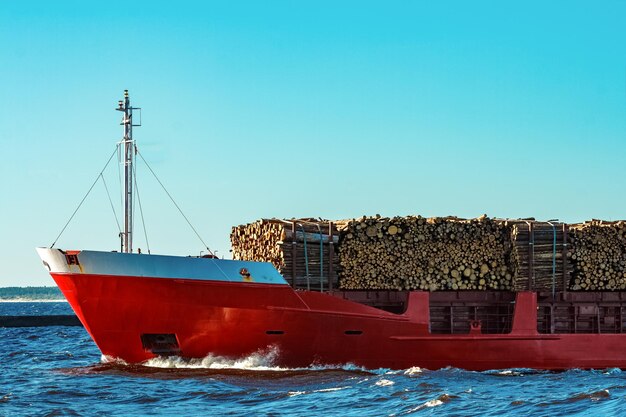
537,255
301,249
416,253
598,255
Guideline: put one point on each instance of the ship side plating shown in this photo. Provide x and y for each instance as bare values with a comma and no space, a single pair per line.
134,311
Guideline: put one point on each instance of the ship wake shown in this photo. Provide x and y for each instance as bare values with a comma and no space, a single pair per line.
262,360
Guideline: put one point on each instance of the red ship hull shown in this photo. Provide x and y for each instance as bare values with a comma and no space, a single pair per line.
235,319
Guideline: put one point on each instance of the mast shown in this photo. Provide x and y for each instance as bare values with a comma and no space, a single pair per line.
129,157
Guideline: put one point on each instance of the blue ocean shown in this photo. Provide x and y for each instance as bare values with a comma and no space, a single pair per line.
59,371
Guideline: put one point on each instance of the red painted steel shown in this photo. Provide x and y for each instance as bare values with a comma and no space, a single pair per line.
233,320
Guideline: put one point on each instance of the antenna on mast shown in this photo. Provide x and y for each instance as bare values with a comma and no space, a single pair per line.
129,159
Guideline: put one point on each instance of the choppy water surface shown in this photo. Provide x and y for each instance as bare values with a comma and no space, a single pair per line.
35,309
59,371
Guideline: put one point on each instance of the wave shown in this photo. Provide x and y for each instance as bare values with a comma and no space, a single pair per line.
111,360
262,360
593,396
440,400
413,370
384,383
296,393
517,372
266,359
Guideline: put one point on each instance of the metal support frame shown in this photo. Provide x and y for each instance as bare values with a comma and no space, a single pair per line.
331,254
565,271
293,254
531,256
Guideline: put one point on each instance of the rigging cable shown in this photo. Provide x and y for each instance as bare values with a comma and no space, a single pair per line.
143,223
172,199
83,200
119,229
213,260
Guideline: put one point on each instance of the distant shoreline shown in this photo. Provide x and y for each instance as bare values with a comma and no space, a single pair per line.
30,294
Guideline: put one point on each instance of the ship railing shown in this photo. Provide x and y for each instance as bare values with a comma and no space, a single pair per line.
461,319
600,312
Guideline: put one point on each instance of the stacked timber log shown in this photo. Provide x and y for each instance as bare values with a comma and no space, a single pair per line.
441,253
538,255
416,253
301,249
598,255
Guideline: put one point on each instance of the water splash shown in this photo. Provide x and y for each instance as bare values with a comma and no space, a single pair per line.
515,372
441,400
262,360
330,389
431,403
413,370
321,390
612,371
112,360
384,383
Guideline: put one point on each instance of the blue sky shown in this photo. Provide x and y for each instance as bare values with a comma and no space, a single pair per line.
321,109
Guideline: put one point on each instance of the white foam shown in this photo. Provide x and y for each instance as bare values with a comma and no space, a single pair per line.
427,404
329,389
413,370
262,360
384,383
433,403
112,359
296,393
345,366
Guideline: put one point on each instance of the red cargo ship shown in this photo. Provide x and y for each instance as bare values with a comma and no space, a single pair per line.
137,306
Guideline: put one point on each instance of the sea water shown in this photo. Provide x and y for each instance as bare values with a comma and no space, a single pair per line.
59,371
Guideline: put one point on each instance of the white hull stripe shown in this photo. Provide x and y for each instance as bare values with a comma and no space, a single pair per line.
159,266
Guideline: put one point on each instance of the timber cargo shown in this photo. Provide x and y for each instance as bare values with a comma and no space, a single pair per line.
416,253
302,250
439,253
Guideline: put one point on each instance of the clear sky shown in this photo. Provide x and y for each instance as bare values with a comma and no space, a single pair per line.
320,109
